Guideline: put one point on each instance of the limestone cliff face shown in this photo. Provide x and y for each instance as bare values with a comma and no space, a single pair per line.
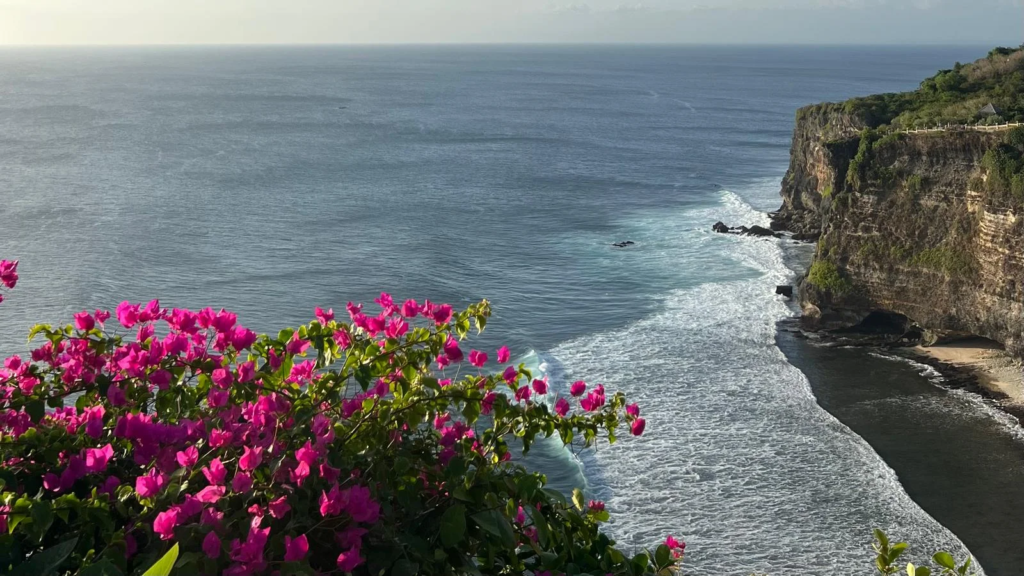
818,160
905,227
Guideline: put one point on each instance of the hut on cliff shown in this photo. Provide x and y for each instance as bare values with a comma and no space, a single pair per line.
989,110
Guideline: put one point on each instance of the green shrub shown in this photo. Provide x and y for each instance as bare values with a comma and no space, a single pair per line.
944,259
914,184
827,192
824,275
950,96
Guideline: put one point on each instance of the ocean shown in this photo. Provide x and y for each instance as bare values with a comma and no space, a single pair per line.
269,180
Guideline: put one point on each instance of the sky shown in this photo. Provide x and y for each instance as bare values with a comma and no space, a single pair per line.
62,22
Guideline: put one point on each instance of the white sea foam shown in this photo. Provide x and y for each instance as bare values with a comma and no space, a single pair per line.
739,459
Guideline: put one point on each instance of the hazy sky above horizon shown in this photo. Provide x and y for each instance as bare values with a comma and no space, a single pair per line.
987,22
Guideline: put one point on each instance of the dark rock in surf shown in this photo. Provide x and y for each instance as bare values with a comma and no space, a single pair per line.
758,231
786,291
720,227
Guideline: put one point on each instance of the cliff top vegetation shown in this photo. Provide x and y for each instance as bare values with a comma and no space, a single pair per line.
954,96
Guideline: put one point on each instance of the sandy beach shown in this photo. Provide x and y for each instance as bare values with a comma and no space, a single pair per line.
996,370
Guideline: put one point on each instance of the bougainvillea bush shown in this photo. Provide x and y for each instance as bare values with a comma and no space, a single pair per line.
377,444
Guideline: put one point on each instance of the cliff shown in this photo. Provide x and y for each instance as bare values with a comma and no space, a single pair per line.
914,224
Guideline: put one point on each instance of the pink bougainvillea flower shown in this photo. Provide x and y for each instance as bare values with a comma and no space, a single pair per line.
251,458
246,372
594,400
677,547
360,505
109,485
223,321
187,457
216,399
349,560
511,375
578,388
452,350
211,517
503,354
127,314
396,328
441,314
523,394
295,550
302,372
637,427
410,309
241,483
9,273
222,378
342,339
477,358
165,523
487,404
84,321
540,386
351,537
633,410
211,494
329,473
96,459
562,407
279,507
331,503
243,338
324,318
375,325
151,483
252,549
211,545
387,303
595,506
296,345
101,316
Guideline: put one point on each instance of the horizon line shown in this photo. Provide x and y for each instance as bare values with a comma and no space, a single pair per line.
484,43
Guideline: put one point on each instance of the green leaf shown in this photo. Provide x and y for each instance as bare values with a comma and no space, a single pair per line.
495,522
882,538
37,329
541,523
47,561
163,566
42,517
945,559
36,409
662,556
963,568
577,498
896,550
453,525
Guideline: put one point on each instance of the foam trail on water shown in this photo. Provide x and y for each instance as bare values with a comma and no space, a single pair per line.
739,458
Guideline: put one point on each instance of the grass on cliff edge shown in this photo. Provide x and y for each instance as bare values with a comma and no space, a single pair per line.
954,96
825,276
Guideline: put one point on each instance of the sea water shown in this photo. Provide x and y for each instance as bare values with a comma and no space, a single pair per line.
272,180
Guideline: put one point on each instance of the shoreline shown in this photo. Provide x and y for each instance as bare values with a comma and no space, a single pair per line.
979,366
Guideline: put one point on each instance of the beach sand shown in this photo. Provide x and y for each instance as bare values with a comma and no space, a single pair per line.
996,370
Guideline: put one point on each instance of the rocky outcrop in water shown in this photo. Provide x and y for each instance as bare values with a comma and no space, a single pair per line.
906,226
